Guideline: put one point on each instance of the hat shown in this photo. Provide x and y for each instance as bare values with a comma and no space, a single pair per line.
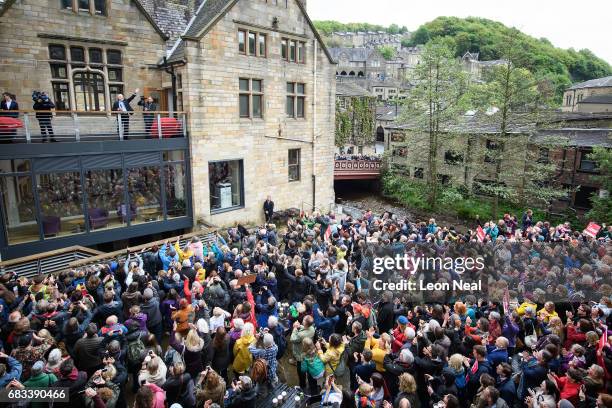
148,294
247,383
37,368
403,320
54,359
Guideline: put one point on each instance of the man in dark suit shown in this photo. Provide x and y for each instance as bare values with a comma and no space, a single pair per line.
268,208
7,106
123,106
148,105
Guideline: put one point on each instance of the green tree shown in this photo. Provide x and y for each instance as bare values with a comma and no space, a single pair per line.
518,96
435,105
387,52
393,29
420,36
355,121
602,204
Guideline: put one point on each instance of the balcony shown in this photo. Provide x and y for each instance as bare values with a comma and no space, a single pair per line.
78,126
357,169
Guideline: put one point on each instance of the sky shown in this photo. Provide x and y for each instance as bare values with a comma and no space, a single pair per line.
577,24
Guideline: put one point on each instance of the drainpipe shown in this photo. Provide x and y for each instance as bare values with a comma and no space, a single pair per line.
314,121
173,76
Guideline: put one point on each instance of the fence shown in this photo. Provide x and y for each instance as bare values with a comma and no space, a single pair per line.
74,126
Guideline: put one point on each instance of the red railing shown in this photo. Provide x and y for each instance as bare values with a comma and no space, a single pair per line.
357,169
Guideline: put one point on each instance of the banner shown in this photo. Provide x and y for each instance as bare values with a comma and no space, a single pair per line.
327,233
592,230
480,233
506,302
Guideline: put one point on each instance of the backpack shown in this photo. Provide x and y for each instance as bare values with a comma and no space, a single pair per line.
135,350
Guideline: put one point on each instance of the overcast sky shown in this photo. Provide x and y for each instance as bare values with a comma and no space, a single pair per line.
577,24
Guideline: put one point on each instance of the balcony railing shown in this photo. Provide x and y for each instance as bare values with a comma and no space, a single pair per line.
76,126
357,169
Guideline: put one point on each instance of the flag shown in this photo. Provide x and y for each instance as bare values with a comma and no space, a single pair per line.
327,233
603,342
506,302
480,233
592,229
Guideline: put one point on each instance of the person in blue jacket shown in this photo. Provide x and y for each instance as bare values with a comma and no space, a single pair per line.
10,369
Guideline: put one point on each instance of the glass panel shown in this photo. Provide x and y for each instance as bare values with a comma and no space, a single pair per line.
225,183
84,5
19,209
257,99
173,155
89,91
113,57
241,41
100,7
67,4
292,51
77,54
300,89
15,166
57,52
244,84
61,96
262,45
104,198
302,52
294,164
284,48
244,106
115,74
252,48
176,199
300,107
59,71
115,90
95,56
290,87
61,203
179,81
144,192
256,85
289,106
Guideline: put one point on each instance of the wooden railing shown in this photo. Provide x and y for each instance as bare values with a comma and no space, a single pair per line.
30,126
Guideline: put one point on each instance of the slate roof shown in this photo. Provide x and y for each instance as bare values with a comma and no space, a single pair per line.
478,124
594,83
357,54
603,99
206,15
387,113
575,137
348,89
171,16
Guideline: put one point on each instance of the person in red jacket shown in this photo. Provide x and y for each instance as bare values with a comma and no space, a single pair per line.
569,385
399,333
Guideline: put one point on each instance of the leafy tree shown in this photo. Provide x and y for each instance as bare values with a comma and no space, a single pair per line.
393,29
602,206
387,52
420,36
436,104
355,121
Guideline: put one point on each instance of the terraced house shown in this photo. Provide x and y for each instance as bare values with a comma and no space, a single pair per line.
242,107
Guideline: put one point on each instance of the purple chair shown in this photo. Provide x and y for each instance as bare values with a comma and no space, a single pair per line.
51,225
98,218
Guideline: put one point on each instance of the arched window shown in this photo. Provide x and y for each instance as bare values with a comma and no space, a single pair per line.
343,73
360,74
352,73
89,92
380,134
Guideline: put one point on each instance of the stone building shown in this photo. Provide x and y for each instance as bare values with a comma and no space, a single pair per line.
253,77
591,96
359,62
368,39
348,94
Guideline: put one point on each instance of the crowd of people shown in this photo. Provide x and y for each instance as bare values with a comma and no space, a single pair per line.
366,157
221,325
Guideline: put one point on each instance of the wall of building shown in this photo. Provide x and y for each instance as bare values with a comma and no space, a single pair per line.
24,55
576,95
210,83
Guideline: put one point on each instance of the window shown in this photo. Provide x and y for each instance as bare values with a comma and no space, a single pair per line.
295,100
61,203
451,157
105,196
96,7
493,151
418,172
252,43
179,81
226,184
89,85
294,164
568,100
543,155
175,180
251,98
293,50
586,164
144,189
19,209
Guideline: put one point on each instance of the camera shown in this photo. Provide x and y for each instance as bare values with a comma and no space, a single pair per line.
36,95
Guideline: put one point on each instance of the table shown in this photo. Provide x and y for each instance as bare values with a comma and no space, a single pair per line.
288,403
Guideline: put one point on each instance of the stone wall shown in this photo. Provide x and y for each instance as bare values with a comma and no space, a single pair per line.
24,51
210,84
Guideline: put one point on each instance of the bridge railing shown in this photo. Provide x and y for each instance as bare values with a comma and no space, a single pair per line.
357,169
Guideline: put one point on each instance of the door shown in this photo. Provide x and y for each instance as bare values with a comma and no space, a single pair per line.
159,96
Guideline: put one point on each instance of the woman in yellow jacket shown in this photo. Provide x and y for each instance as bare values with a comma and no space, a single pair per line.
379,348
242,356
547,312
333,353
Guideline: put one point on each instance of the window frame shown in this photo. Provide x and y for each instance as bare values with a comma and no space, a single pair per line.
257,52
299,50
242,200
94,7
250,93
297,165
295,97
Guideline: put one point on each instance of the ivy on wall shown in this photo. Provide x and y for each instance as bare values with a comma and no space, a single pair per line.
355,121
